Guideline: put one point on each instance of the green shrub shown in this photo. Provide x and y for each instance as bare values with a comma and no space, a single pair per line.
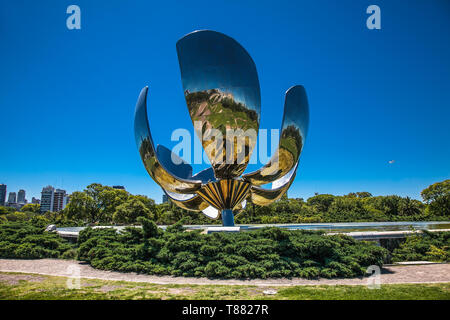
428,246
70,254
22,240
268,252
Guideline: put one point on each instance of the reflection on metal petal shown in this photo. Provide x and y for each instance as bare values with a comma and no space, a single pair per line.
241,206
179,196
155,169
221,89
285,179
205,176
264,197
222,92
211,212
192,203
293,134
173,163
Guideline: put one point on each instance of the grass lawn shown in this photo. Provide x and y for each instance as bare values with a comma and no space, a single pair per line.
30,286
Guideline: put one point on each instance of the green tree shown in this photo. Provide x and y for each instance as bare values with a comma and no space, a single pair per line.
149,203
363,194
5,210
108,200
321,202
16,216
97,203
437,196
410,207
390,205
82,207
31,207
129,211
346,208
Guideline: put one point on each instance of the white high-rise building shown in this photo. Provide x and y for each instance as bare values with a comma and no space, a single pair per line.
53,200
59,200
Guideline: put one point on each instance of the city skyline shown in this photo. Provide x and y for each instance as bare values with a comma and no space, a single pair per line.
163,197
21,198
55,199
378,98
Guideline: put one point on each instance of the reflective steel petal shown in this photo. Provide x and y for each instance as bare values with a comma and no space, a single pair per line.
211,212
263,197
173,163
155,169
294,129
180,168
240,206
205,176
190,202
222,93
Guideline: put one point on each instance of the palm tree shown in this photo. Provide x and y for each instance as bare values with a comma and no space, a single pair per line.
409,207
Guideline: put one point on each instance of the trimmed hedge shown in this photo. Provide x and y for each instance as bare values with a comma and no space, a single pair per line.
19,240
265,253
428,246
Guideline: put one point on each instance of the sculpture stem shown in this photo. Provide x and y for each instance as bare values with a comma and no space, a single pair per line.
227,218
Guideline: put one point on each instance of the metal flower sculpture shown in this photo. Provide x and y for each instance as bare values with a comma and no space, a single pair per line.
222,93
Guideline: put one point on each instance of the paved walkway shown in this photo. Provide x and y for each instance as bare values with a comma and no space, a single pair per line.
430,273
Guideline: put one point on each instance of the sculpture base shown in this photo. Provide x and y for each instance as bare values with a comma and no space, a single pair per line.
227,218
222,229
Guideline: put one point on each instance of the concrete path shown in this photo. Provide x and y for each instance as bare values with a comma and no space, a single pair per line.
430,273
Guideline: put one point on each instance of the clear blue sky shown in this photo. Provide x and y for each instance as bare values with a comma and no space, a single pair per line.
67,97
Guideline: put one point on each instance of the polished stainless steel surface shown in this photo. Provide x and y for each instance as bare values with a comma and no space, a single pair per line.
263,197
225,193
281,169
155,169
192,203
222,92
294,129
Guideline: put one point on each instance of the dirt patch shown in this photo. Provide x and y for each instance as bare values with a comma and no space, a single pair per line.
89,284
13,279
257,291
109,288
181,291
136,287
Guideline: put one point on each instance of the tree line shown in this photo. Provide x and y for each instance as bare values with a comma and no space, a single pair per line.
98,204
